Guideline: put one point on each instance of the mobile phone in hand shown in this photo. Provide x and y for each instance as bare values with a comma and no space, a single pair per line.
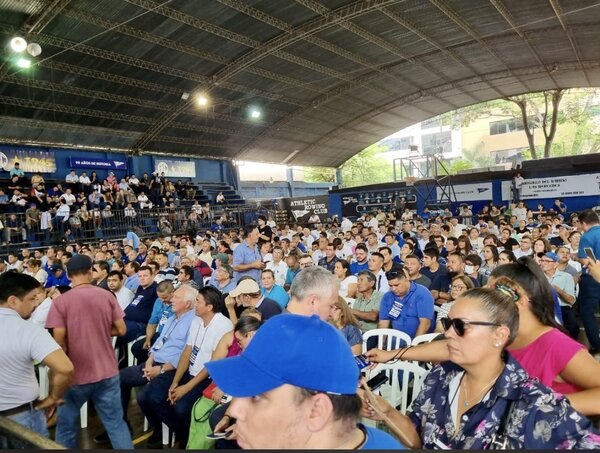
590,253
375,382
216,436
362,361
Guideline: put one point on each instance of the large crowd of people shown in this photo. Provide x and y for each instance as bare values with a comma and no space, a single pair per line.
262,323
85,206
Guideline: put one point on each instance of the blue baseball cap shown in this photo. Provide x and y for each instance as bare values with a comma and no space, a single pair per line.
302,351
553,256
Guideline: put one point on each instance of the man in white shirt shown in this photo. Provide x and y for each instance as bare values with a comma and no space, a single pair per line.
84,179
68,197
134,183
62,216
143,201
278,266
342,250
376,266
320,253
346,224
116,285
24,343
14,263
525,248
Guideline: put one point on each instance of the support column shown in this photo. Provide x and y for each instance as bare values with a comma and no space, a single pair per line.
290,180
339,179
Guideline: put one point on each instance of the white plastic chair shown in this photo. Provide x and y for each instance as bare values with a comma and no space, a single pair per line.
166,435
402,376
45,391
387,339
425,338
130,356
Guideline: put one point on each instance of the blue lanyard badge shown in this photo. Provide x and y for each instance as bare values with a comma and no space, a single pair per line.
396,308
399,303
136,301
163,318
194,354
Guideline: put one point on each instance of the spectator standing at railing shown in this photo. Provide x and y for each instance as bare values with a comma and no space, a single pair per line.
13,229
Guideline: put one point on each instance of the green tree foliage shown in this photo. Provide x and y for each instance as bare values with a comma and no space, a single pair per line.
547,110
319,174
367,167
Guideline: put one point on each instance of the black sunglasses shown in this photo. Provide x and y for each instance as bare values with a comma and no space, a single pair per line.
460,324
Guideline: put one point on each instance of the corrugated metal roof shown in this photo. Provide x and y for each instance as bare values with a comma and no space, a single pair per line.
330,77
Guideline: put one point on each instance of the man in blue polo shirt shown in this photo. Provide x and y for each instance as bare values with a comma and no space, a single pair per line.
589,289
407,306
246,256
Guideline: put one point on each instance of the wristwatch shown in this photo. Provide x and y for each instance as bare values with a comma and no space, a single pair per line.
162,369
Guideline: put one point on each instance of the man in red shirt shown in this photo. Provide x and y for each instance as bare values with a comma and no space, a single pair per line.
84,319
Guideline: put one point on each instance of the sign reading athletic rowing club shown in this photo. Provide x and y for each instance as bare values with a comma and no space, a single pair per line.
31,160
175,168
107,164
302,210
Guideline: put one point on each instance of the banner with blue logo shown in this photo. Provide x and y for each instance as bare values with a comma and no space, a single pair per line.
175,168
107,164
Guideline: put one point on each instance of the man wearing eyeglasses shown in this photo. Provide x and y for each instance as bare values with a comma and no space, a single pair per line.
564,286
407,306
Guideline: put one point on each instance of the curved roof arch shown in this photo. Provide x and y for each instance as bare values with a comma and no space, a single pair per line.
331,77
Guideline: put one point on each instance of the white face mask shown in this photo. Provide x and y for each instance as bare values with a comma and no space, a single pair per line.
469,269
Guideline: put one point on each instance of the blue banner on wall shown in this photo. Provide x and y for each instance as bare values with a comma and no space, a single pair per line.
31,160
107,164
175,168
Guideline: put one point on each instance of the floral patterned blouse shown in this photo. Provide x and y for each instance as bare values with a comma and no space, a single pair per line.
539,417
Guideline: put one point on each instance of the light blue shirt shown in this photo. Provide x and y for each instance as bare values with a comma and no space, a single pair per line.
160,314
132,283
244,254
134,238
278,294
225,289
169,345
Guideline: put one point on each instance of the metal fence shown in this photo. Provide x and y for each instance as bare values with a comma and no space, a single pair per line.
38,229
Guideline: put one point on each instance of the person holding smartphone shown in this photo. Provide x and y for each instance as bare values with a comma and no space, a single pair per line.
589,287
303,399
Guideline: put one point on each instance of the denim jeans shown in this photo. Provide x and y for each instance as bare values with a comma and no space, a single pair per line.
133,376
33,420
134,330
588,300
106,396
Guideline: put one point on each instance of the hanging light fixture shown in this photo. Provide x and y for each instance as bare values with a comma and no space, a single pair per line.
18,44
34,49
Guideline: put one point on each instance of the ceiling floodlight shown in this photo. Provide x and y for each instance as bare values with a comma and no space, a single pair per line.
34,49
255,113
185,96
24,63
18,44
202,100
